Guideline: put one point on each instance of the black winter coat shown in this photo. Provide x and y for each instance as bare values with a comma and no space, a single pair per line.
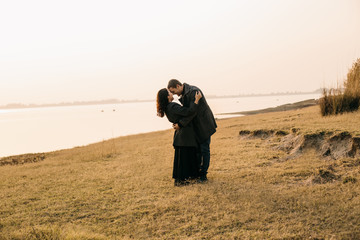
203,120
185,137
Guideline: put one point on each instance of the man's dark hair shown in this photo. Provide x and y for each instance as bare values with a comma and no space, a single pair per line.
173,83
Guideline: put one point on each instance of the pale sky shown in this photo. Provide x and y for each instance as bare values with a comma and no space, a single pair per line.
55,51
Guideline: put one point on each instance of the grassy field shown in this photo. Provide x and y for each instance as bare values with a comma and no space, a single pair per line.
122,188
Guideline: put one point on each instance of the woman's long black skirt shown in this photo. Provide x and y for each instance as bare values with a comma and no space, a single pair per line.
186,163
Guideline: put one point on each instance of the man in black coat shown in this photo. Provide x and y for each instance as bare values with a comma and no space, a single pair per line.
203,120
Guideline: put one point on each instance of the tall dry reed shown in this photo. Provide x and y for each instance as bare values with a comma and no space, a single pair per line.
352,83
337,101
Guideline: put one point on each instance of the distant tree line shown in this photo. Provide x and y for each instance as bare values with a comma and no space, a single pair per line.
115,101
108,101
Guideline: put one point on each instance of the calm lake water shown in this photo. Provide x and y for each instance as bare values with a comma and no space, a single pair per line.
47,129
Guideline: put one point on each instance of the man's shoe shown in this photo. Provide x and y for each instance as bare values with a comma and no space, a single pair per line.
203,179
179,183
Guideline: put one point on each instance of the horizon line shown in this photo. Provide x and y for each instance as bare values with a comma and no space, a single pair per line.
117,101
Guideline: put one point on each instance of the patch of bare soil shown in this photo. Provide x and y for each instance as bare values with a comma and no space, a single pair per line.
21,159
327,144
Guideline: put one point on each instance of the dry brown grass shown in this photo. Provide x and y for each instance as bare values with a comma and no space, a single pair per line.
337,101
122,188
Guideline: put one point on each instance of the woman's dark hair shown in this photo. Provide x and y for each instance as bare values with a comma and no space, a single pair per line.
162,101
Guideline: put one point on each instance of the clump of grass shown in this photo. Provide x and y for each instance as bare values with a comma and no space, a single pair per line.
349,179
22,159
334,102
337,101
48,233
324,176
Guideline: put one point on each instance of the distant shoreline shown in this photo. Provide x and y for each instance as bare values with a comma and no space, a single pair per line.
281,108
67,104
116,101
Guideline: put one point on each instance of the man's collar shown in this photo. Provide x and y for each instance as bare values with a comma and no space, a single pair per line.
185,89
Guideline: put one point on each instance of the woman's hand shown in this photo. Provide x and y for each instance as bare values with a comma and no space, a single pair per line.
197,97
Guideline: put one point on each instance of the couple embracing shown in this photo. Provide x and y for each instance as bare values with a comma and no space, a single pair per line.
194,123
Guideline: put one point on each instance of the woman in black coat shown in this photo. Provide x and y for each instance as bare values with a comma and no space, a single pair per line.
186,161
